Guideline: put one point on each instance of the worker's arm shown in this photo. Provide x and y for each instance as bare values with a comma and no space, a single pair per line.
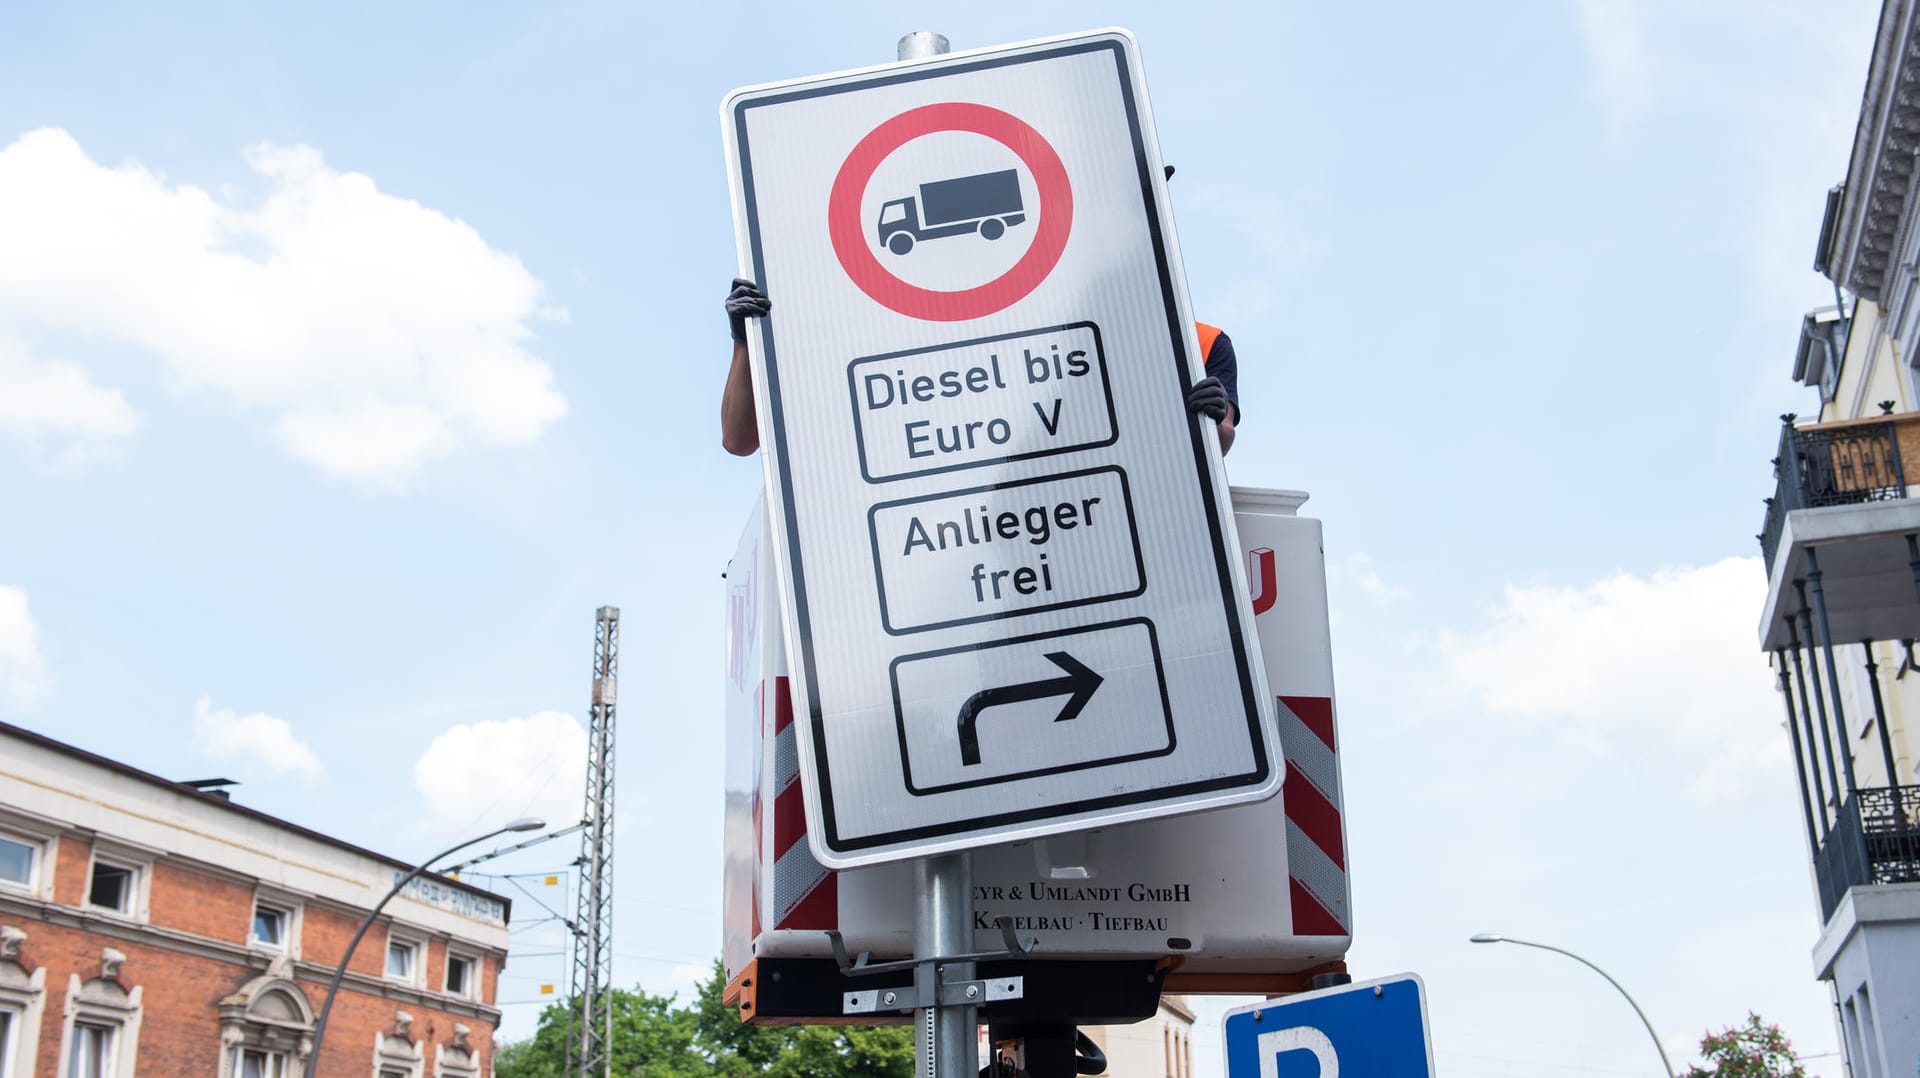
739,431
1217,396
1208,397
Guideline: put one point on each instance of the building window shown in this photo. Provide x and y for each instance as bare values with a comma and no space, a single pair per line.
276,922
22,999
459,976
256,1063
100,1031
269,927
1869,1027
400,960
16,861
1861,689
8,1019
112,887
265,1028
90,1050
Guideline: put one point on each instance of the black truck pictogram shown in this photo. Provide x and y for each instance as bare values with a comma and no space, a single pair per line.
988,204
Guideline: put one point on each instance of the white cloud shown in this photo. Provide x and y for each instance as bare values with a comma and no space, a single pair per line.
485,773
43,400
258,739
23,672
1359,568
1662,664
376,333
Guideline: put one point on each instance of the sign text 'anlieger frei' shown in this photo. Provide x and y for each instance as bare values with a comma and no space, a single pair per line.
1005,546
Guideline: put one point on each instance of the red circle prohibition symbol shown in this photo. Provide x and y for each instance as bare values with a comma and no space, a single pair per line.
849,234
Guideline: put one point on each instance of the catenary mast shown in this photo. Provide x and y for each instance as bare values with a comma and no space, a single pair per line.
590,1021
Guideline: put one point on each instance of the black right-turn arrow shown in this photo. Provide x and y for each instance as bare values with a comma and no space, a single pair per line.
1080,682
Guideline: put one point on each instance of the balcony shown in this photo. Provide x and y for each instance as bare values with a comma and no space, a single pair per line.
1846,502
1875,839
1850,462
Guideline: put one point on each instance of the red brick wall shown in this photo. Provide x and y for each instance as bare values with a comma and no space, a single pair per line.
324,935
180,1024
203,905
436,966
72,871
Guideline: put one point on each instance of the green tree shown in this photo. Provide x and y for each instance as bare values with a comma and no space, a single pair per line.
651,1039
1756,1050
654,1037
522,1059
847,1052
737,1048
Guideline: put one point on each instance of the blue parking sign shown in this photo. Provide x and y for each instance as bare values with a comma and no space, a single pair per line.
1377,1029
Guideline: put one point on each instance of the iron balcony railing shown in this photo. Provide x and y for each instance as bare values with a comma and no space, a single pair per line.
1875,840
1841,463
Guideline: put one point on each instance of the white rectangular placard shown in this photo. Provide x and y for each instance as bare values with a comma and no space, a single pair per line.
1009,569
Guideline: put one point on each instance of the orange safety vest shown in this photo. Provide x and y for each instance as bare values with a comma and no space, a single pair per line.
1208,334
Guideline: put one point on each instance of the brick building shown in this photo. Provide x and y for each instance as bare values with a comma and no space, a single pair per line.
150,928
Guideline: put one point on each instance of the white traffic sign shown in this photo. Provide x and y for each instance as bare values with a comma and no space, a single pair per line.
1011,580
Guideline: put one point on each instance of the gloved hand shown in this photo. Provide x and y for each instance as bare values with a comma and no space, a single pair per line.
743,302
1208,398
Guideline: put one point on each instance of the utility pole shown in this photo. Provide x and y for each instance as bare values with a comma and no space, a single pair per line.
945,1034
590,991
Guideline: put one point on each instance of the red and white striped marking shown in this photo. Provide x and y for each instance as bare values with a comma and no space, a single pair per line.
1316,840
805,893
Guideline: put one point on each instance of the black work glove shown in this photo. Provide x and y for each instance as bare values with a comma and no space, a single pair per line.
743,302
1208,398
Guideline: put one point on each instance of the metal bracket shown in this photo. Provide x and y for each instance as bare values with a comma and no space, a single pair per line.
952,994
930,973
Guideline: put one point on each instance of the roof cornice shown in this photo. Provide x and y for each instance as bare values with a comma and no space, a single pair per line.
1880,171
223,804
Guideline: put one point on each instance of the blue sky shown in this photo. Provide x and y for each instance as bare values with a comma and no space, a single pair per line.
349,358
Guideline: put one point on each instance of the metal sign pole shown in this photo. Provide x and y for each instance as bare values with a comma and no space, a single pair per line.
945,1035
921,44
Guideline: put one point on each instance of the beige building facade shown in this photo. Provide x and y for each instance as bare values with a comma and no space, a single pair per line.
1157,1047
1160,1047
1841,544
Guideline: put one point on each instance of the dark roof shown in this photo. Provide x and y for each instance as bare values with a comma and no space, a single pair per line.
226,805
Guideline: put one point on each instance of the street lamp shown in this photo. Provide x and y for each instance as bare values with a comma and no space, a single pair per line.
1491,937
526,823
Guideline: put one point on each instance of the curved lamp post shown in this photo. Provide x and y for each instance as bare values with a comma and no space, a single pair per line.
1490,937
320,1025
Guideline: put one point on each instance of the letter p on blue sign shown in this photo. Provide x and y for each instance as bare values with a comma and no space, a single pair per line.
1377,1029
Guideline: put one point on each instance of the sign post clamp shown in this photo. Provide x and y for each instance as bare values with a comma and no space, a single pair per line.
930,988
